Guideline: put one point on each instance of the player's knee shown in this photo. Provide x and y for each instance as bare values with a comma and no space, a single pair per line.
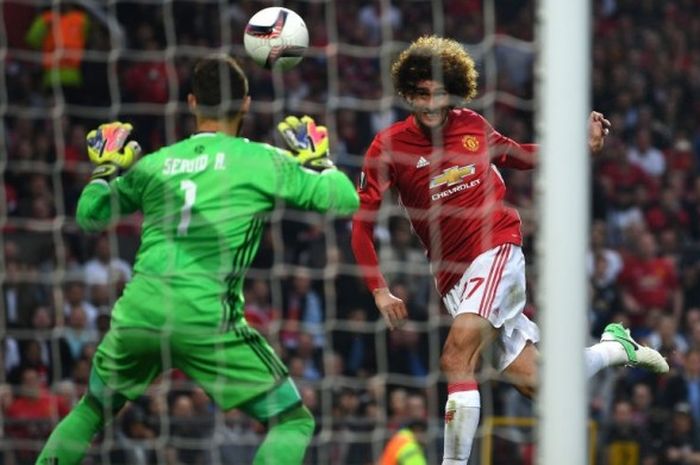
526,390
301,419
109,406
523,372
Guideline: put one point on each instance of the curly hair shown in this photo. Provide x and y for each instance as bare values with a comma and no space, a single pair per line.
439,59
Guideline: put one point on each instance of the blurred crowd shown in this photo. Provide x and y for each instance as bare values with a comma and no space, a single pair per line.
131,61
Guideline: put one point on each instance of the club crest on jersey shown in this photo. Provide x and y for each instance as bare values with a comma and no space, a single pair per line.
470,143
451,176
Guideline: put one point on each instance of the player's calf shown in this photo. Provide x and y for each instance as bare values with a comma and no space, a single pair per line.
469,334
523,371
287,438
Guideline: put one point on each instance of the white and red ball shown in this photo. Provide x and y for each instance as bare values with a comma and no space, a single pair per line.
276,38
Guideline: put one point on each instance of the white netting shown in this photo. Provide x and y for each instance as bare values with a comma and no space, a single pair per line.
304,291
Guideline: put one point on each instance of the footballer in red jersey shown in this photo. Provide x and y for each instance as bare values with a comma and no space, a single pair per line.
444,163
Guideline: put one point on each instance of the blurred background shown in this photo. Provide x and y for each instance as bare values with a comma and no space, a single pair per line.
131,61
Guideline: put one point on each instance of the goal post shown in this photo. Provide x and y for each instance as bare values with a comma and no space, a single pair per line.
563,95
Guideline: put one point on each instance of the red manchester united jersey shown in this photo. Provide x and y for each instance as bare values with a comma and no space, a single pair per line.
450,187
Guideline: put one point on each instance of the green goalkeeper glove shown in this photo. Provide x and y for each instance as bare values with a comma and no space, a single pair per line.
106,149
307,142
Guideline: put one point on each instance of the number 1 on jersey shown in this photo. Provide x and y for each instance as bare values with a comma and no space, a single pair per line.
190,189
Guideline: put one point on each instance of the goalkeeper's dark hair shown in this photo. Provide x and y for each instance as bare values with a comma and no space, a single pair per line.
219,85
438,59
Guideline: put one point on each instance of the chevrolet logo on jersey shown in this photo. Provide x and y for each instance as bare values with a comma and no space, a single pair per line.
452,176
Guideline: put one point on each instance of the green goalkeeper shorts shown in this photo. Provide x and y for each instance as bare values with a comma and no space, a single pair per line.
238,369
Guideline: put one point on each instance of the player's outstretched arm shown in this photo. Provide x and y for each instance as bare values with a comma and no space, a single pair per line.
111,156
506,152
330,191
511,154
308,179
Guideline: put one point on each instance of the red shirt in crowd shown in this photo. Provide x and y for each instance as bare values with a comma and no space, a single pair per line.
651,282
32,417
451,189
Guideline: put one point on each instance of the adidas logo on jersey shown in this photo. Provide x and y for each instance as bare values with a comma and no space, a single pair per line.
422,162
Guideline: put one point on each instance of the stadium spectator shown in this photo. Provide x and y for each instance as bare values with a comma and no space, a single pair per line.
147,81
183,430
354,341
75,297
310,357
646,415
623,442
604,294
21,291
135,438
61,33
681,444
77,334
666,339
302,311
599,250
10,355
647,157
374,17
667,213
103,268
32,412
66,393
239,437
48,353
692,206
204,411
80,376
404,262
404,447
649,282
620,178
397,408
684,387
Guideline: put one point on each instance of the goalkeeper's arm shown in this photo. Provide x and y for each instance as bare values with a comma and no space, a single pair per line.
102,203
300,187
109,195
308,178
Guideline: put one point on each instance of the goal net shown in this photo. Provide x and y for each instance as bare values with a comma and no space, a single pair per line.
304,292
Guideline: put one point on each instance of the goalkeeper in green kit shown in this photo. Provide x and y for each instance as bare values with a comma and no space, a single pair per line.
204,201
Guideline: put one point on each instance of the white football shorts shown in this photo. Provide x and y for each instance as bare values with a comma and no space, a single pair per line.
494,287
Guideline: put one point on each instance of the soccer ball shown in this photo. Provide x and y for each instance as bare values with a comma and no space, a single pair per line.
276,38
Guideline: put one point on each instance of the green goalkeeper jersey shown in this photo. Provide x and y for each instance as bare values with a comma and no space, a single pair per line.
204,202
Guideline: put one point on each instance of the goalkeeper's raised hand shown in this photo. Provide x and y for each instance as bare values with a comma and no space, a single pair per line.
106,149
307,142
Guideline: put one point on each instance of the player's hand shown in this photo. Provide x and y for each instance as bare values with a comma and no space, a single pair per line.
307,142
391,307
598,128
106,149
